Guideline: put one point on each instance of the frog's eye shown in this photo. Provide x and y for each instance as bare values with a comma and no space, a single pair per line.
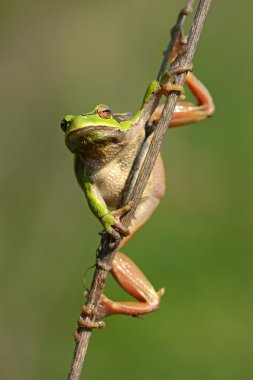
104,112
64,124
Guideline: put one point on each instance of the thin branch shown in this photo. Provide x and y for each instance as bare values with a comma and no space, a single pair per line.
108,246
187,10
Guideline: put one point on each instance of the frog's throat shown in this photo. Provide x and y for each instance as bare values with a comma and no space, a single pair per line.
91,137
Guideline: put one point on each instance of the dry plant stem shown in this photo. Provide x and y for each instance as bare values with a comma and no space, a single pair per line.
108,247
175,34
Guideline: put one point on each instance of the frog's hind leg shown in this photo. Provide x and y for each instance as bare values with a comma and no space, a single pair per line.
130,277
124,270
187,112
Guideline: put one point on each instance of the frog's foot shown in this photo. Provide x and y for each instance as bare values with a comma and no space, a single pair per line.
130,277
87,324
179,70
90,324
169,87
112,222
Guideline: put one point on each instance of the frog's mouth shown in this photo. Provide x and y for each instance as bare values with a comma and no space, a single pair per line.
81,139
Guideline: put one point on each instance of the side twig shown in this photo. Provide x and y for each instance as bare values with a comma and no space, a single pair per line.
175,31
108,246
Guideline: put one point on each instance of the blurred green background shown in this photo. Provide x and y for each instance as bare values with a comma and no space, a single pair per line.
60,57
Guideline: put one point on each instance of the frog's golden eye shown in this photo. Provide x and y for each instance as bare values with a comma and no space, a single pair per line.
104,112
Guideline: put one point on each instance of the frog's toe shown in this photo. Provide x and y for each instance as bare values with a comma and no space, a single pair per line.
120,228
114,233
123,210
87,324
82,323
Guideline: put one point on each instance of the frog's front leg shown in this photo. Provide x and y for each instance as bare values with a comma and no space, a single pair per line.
186,112
109,219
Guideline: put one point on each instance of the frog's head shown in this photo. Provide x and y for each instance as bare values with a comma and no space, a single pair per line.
96,128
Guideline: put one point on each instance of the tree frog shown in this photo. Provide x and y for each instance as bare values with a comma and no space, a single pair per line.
105,145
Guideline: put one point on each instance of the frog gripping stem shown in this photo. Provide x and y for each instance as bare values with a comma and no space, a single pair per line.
108,247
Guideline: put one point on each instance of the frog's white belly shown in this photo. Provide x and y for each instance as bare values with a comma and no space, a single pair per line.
110,181
111,178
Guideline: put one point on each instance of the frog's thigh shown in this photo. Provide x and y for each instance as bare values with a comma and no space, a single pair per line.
153,193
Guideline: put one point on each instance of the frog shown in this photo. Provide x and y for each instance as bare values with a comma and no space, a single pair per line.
105,145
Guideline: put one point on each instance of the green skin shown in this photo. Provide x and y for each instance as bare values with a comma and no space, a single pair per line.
105,146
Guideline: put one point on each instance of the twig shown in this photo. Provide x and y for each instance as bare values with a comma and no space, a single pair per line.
108,246
187,10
